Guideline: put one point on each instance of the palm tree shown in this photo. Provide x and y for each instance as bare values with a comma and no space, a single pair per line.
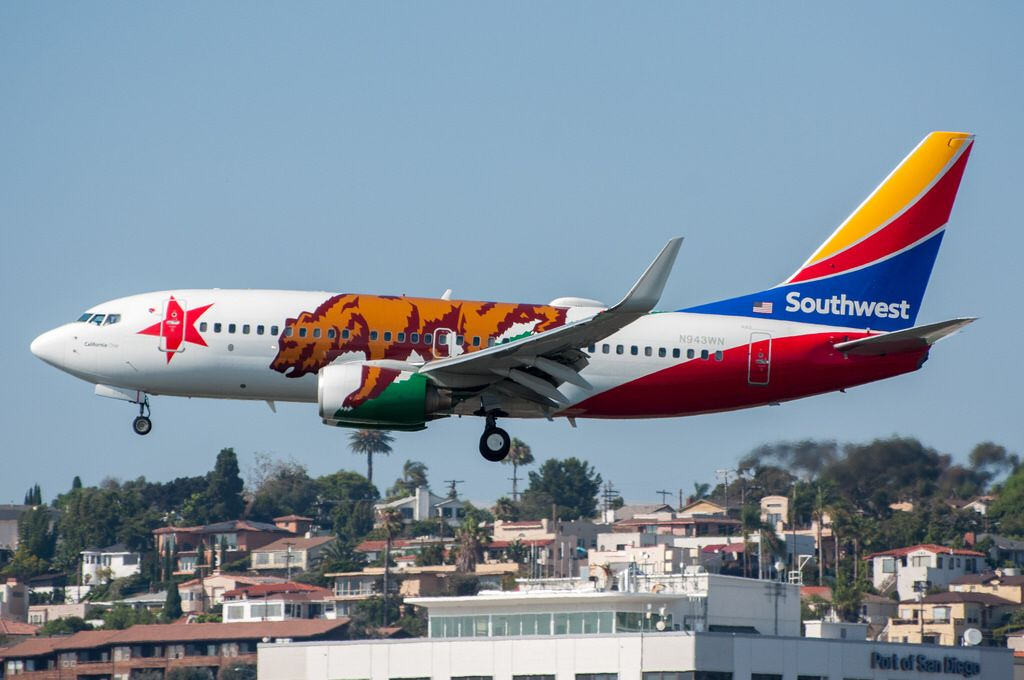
700,490
766,536
390,521
369,442
471,537
519,455
506,509
414,475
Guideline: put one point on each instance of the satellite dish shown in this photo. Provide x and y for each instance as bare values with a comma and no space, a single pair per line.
660,625
780,566
972,637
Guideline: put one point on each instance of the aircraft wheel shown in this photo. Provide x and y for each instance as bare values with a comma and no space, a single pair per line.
494,444
142,425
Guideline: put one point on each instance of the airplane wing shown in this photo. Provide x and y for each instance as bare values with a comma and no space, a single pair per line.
906,340
531,367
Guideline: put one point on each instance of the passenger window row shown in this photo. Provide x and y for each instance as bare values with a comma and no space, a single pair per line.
232,328
662,352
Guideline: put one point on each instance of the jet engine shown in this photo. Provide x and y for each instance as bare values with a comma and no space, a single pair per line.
355,394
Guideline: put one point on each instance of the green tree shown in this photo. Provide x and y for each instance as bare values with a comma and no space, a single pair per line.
368,443
340,556
35,532
414,475
348,498
571,483
506,509
430,555
172,605
76,483
390,523
1008,509
519,455
225,488
34,496
471,539
287,489
239,672
123,616
64,626
188,673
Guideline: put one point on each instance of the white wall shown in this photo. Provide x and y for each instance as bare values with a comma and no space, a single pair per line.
626,655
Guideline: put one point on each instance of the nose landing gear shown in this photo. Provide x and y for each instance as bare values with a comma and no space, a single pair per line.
494,442
142,425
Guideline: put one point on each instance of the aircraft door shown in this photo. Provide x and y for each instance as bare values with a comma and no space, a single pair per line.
172,327
444,343
759,359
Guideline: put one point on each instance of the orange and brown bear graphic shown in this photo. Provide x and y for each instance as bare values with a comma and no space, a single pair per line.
343,324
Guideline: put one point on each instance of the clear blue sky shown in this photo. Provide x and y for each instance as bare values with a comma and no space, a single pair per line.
517,151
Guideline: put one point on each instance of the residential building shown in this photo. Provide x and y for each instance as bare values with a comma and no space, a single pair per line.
351,588
630,510
775,512
1009,586
942,618
1002,552
14,600
934,565
13,632
875,611
703,507
979,504
291,555
552,548
200,595
229,541
39,614
102,565
296,524
403,547
10,515
278,602
119,654
424,506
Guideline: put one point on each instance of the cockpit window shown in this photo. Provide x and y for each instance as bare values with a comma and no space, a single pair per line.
85,317
112,318
98,319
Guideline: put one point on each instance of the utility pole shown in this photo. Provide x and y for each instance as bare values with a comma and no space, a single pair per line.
664,495
451,486
608,494
724,476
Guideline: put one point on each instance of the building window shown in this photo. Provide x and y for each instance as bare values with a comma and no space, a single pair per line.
888,565
765,676
597,676
533,677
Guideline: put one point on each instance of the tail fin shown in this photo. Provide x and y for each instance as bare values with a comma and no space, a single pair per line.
873,271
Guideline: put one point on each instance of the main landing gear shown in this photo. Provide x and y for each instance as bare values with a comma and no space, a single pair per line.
494,442
142,425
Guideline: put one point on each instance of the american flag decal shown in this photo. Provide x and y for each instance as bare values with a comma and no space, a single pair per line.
762,308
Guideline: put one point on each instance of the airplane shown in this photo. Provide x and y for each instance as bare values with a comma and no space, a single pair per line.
846,317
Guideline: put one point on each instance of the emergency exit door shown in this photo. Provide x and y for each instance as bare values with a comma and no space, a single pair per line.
759,359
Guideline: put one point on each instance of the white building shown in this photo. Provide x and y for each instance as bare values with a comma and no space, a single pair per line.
425,505
278,602
101,565
934,565
628,656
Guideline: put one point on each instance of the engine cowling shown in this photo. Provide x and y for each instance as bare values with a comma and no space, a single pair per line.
354,394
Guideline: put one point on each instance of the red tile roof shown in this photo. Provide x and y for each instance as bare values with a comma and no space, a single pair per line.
824,592
927,547
270,589
723,547
293,518
958,596
8,627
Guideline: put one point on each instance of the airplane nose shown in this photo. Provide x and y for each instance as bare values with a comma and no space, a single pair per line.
50,347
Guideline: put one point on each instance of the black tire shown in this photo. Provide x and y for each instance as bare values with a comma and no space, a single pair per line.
494,444
142,425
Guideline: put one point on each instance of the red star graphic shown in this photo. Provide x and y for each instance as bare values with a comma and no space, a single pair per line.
177,327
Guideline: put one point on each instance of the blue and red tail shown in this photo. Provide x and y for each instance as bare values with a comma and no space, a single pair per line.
873,271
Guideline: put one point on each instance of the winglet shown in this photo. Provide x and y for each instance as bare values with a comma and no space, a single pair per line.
646,292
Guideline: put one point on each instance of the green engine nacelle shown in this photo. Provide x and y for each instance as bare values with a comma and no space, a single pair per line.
407,401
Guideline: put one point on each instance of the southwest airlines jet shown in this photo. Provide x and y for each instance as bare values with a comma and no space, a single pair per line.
846,317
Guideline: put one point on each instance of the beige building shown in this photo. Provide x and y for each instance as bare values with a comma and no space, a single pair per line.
1007,586
942,618
201,594
291,554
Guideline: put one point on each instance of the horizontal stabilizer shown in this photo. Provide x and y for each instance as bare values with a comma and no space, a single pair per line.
907,340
